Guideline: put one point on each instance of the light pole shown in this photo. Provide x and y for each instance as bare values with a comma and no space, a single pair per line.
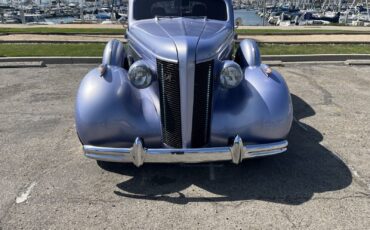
81,11
367,9
22,13
264,12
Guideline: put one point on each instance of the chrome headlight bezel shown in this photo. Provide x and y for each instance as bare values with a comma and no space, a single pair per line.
231,74
140,67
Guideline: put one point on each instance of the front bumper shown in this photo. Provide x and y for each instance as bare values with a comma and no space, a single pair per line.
138,154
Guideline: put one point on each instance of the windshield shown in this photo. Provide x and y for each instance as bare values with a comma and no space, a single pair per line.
212,9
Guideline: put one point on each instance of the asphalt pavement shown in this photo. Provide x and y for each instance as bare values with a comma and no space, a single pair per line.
322,182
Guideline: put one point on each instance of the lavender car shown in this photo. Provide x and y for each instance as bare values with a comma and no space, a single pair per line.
176,94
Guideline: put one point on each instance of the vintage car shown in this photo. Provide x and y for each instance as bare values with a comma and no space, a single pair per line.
178,93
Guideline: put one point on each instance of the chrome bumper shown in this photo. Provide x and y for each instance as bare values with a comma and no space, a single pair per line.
138,154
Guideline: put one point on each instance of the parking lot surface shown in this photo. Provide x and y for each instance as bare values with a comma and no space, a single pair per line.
322,182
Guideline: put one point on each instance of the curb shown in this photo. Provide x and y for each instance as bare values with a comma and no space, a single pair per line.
304,34
312,42
275,59
51,42
65,34
54,60
33,64
316,57
357,62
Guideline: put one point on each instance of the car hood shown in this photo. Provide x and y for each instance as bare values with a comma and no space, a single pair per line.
167,38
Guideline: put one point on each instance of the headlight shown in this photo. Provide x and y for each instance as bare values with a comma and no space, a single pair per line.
231,75
140,75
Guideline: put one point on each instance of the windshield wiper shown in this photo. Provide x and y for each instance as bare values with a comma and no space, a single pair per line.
187,16
165,16
192,16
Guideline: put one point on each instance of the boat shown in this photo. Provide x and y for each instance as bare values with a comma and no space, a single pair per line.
103,14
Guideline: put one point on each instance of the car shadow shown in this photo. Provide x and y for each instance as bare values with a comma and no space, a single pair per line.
290,178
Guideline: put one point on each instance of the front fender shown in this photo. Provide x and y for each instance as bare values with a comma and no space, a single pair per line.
111,112
258,110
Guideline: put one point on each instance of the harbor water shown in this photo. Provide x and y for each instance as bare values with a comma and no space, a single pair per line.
248,17
60,20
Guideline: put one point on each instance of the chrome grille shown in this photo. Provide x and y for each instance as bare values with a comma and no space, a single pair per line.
169,90
203,87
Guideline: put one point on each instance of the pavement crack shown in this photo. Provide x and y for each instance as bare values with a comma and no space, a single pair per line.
327,96
356,176
366,196
287,217
182,199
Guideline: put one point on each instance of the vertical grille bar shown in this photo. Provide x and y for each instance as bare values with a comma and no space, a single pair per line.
169,90
203,87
